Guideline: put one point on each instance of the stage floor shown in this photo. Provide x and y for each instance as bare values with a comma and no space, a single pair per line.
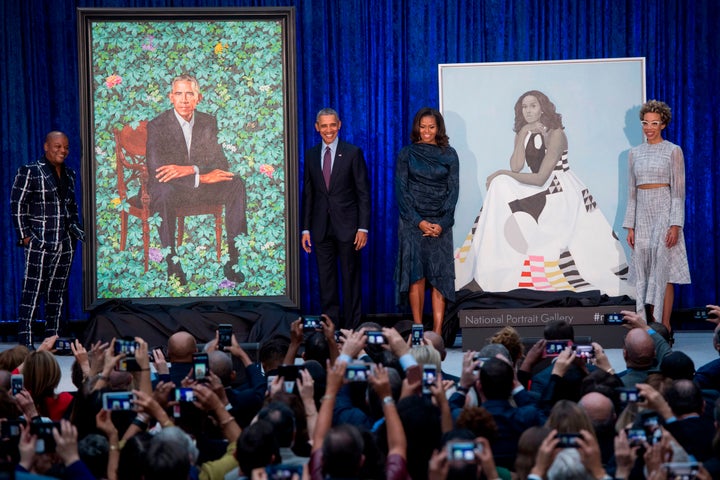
696,344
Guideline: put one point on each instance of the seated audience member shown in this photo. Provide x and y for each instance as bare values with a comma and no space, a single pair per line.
708,376
246,399
257,448
496,386
510,338
437,341
536,367
93,450
528,446
180,349
569,417
66,452
605,382
42,373
171,455
601,411
272,353
581,462
337,451
320,344
662,346
479,421
482,465
681,406
639,355
282,419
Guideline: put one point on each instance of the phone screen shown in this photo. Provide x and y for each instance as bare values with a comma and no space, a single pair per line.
184,394
585,351
375,337
16,383
117,400
417,335
225,332
200,366
613,318
127,347
357,372
429,377
462,451
553,348
567,440
311,323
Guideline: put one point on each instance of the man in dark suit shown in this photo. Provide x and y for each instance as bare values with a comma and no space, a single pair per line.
45,216
187,166
336,215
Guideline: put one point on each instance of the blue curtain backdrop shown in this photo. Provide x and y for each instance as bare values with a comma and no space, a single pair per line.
376,61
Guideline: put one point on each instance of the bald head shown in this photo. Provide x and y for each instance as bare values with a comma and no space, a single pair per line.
181,346
639,351
221,365
437,342
598,407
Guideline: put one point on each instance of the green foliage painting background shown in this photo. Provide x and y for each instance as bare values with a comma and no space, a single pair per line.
239,66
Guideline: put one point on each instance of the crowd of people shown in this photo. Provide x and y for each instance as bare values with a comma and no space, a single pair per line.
326,404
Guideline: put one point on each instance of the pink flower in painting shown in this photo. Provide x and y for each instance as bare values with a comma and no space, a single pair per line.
267,170
113,80
155,254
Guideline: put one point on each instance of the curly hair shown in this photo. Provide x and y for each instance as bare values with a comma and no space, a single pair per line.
479,421
550,118
510,338
441,137
656,106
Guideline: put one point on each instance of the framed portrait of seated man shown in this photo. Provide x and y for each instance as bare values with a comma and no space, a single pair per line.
189,137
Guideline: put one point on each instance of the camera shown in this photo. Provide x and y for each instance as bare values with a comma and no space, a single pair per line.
118,400
44,431
357,372
16,383
375,337
201,366
630,395
225,332
553,348
312,323
416,335
567,440
184,394
614,319
463,451
10,429
125,346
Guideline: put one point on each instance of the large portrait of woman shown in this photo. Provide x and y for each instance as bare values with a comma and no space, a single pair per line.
189,141
543,150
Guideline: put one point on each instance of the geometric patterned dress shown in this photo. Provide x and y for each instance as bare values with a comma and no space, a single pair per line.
551,237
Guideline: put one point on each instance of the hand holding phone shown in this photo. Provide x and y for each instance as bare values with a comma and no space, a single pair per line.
225,332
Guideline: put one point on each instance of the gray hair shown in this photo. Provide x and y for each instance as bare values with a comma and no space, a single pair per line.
326,111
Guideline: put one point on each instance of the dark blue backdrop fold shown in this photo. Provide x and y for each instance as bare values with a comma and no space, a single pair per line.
376,61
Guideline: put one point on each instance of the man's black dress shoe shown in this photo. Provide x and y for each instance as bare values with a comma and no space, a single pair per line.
231,274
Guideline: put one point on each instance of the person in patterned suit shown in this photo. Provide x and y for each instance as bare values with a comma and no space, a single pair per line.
45,216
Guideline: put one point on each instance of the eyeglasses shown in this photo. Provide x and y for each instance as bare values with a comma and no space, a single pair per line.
654,124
